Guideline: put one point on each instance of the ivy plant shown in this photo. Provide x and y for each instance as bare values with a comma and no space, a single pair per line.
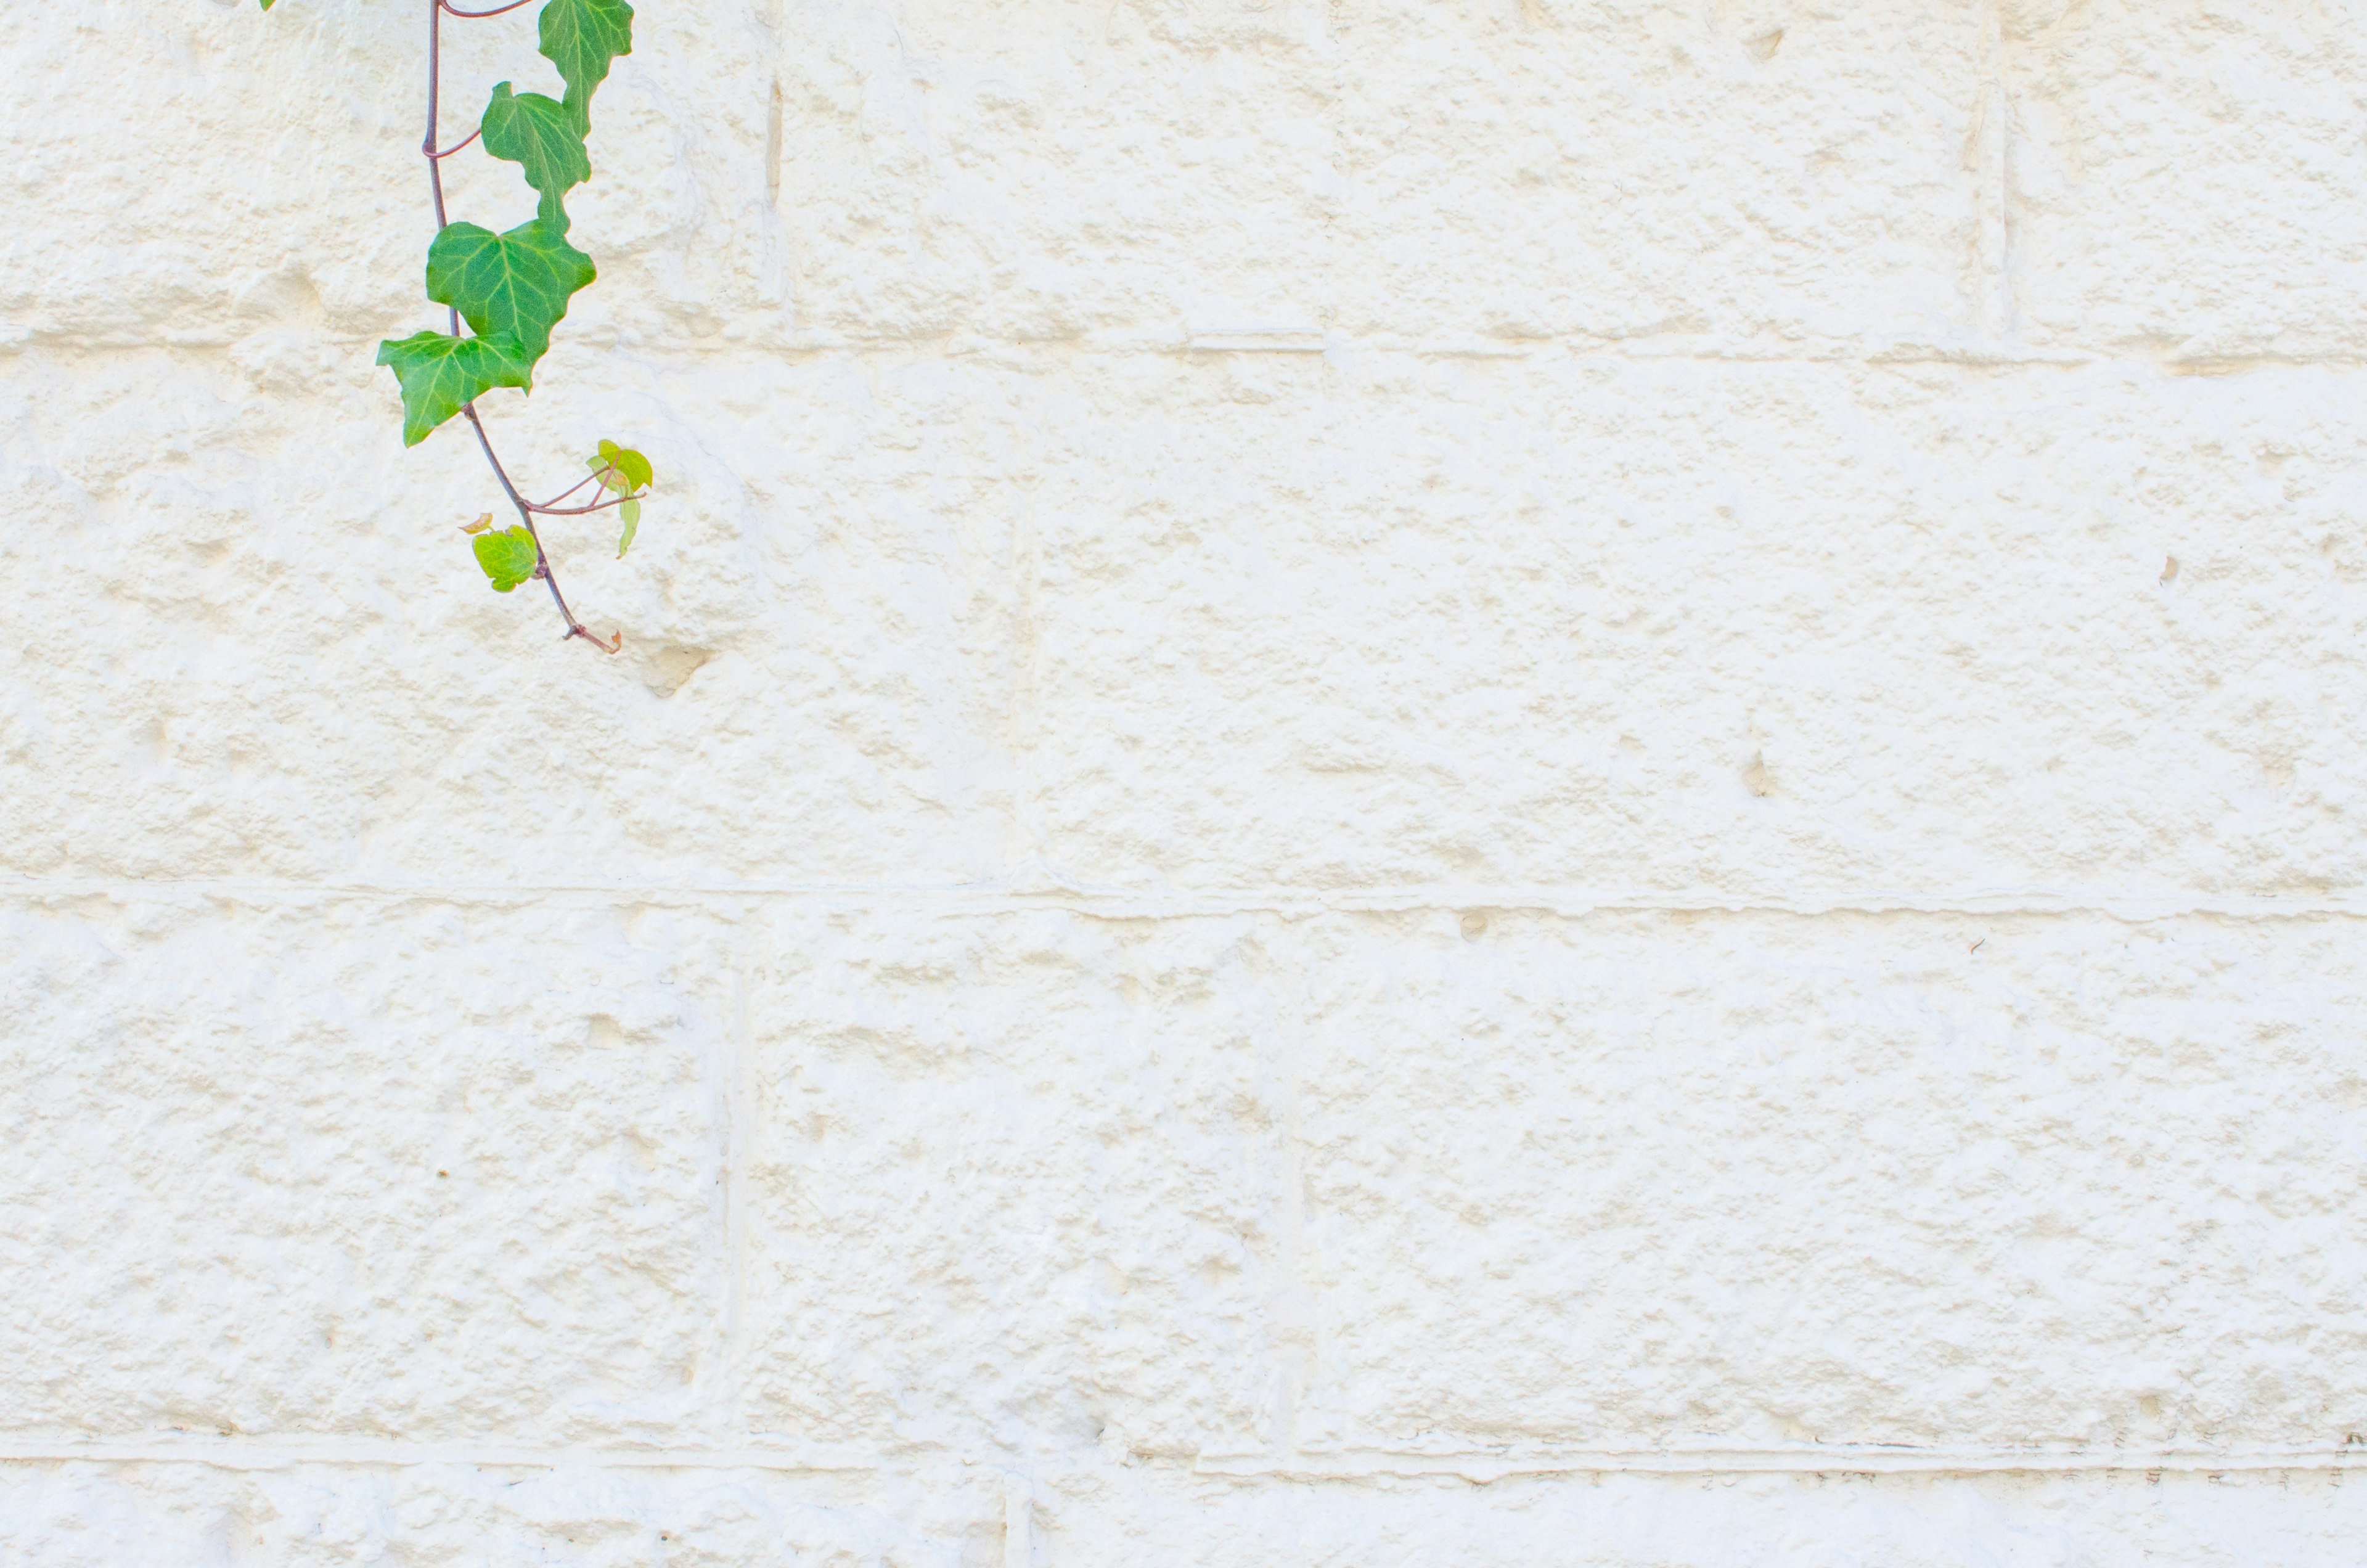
512,288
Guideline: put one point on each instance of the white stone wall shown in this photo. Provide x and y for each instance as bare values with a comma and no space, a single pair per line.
1396,782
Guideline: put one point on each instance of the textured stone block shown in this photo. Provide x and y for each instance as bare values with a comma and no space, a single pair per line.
1642,1179
257,644
1761,631
270,180
458,1514
1626,1521
1763,178
1397,172
371,1168
1014,1183
2180,180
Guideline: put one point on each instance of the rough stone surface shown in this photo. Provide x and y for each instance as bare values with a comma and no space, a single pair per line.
1396,782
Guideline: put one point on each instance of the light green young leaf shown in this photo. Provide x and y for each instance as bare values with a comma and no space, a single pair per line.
540,136
633,467
581,37
619,469
631,511
518,283
508,557
439,374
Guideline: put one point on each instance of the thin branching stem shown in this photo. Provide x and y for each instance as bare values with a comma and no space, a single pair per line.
451,10
525,508
562,495
582,510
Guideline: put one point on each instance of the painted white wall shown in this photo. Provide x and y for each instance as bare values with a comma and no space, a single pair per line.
1396,782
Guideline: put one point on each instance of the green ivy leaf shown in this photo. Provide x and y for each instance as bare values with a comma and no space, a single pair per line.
630,466
631,511
439,374
508,557
581,37
619,469
516,282
539,135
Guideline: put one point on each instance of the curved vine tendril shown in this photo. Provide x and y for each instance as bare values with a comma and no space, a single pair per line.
510,289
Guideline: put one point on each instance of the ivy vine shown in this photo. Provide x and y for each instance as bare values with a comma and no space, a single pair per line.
513,288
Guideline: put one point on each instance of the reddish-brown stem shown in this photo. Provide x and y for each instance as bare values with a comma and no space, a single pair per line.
581,510
562,495
456,146
541,559
473,16
525,510
435,80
